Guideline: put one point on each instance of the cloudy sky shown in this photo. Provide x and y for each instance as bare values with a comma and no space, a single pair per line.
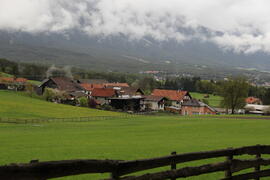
239,25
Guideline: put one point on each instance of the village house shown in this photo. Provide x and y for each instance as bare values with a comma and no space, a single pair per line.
154,103
253,100
60,83
12,83
176,97
88,88
102,95
130,91
116,85
256,109
196,107
134,103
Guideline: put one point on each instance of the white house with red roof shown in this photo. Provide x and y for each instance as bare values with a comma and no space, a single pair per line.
176,97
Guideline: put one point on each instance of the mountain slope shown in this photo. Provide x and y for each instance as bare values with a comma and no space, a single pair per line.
122,54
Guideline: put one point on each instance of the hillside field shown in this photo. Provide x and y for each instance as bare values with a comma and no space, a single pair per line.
214,101
19,105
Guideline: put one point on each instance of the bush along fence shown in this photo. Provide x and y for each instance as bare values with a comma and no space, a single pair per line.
120,170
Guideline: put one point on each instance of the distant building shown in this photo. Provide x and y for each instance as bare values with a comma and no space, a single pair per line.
253,100
256,109
133,103
116,85
61,84
88,88
176,97
196,107
12,83
155,103
103,95
130,91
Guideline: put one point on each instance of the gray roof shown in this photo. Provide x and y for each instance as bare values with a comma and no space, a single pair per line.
196,103
154,98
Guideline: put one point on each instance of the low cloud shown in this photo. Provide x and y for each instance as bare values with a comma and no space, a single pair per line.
242,26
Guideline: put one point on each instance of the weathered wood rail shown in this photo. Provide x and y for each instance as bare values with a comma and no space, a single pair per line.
120,170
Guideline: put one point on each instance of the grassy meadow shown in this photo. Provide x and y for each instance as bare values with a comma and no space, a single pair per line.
130,138
214,101
19,105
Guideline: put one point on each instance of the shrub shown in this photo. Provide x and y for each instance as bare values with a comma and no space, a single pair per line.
106,107
49,94
83,102
30,89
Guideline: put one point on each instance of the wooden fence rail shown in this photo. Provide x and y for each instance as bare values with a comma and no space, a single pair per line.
118,168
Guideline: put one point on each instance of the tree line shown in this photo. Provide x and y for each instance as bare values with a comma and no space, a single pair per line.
145,82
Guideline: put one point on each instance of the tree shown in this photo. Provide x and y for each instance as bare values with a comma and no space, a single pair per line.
234,91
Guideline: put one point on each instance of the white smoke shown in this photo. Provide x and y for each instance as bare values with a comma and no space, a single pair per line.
54,71
241,26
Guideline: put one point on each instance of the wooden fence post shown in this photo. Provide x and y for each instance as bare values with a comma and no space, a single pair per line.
173,163
257,168
228,173
114,175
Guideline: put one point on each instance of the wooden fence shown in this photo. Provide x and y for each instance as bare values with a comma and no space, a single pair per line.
120,170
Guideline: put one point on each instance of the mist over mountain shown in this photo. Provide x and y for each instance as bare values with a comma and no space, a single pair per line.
179,36
123,54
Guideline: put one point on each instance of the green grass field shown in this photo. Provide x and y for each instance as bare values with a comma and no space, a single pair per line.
130,138
19,105
214,101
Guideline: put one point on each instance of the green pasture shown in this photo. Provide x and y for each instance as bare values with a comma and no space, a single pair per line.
132,138
19,105
214,101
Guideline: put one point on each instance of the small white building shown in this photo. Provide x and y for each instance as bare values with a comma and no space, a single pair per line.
256,109
155,103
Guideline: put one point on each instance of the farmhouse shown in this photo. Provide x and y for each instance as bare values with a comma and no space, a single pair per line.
11,83
61,84
253,100
256,109
88,88
116,85
130,91
176,97
196,107
103,95
127,103
155,103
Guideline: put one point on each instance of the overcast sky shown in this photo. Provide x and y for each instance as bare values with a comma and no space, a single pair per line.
238,25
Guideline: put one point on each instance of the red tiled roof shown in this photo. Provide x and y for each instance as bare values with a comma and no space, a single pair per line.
116,84
103,92
175,95
7,79
11,79
90,87
251,100
22,80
